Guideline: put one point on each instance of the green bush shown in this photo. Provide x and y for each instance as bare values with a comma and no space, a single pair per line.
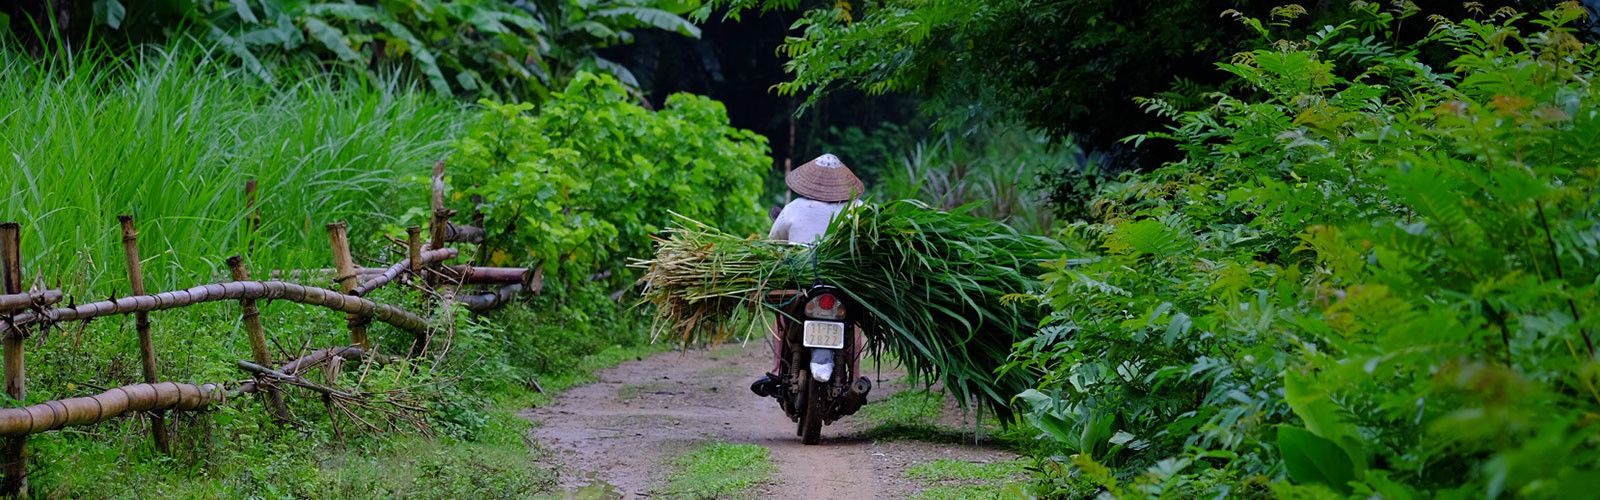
1376,279
584,184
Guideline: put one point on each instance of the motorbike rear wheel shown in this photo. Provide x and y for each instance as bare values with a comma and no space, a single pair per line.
811,421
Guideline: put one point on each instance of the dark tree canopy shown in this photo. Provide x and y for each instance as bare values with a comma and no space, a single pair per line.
1072,68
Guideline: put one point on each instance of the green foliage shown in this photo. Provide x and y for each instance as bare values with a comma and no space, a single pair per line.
721,470
468,47
584,184
170,137
1368,277
999,172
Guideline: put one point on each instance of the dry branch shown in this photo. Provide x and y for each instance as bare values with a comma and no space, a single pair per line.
303,363
52,415
278,376
270,290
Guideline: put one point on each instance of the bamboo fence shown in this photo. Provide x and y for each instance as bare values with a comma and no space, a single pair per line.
23,313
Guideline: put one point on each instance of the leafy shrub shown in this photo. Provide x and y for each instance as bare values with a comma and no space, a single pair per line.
1376,279
585,183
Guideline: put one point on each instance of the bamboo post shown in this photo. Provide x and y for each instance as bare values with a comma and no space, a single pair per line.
141,323
347,280
439,225
414,249
15,468
258,338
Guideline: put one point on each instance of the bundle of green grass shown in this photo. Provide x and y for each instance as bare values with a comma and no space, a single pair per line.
940,288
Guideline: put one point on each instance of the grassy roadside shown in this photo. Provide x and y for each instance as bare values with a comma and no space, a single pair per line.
170,137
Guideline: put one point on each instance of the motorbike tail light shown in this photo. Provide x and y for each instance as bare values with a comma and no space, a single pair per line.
825,306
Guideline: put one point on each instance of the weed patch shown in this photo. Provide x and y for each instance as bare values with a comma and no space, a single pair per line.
721,471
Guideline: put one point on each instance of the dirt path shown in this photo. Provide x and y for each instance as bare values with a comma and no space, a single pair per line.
615,437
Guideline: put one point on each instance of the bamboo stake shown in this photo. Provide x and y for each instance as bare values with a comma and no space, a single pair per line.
347,280
438,226
258,338
141,324
15,468
414,249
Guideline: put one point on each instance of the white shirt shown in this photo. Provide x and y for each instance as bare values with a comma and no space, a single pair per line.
805,220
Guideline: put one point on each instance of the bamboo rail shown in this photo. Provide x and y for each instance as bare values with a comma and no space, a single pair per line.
428,256
485,301
271,290
52,415
15,301
462,234
470,275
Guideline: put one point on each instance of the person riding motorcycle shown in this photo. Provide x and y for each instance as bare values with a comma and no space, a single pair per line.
824,188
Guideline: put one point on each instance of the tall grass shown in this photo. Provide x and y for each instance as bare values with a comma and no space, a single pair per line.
171,136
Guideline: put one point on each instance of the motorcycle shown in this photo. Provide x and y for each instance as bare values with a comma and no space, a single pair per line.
816,385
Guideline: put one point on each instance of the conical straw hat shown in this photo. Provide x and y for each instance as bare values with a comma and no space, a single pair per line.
825,179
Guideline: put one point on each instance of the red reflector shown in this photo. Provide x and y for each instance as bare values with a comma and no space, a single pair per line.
826,301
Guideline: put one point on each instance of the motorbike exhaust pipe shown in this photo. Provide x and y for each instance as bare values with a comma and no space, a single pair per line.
856,396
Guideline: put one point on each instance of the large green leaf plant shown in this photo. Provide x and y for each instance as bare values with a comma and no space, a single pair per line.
509,49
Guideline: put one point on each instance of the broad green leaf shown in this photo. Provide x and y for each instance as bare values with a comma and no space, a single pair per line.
332,38
108,12
419,51
349,12
655,18
1312,459
243,8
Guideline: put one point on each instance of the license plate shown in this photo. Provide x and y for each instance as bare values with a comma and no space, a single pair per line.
829,334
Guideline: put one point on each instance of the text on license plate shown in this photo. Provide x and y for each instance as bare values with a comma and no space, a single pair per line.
829,334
